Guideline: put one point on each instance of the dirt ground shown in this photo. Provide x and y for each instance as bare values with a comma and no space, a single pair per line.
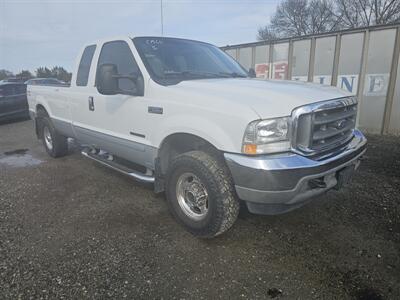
70,228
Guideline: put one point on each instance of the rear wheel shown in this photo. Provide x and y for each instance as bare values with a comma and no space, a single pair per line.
55,144
200,194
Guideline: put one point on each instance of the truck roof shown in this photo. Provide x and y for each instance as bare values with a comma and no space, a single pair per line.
125,37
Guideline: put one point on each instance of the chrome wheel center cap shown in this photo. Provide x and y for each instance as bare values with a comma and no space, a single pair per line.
47,138
192,196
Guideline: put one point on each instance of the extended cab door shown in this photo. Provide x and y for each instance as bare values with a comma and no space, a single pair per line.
82,88
115,122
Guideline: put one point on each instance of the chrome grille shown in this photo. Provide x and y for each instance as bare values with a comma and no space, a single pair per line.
323,126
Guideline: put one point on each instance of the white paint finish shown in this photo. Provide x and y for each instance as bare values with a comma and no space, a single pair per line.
217,110
268,98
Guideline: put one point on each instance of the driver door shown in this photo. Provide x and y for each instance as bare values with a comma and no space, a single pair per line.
118,119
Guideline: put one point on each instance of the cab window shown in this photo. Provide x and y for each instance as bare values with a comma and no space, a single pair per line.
84,66
118,53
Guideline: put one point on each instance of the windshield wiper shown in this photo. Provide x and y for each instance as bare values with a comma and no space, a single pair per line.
233,74
197,73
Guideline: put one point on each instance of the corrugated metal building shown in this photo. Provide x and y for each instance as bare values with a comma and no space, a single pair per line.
363,61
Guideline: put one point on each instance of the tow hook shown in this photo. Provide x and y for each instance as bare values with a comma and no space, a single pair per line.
317,183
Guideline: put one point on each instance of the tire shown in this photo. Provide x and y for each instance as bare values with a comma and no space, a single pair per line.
55,144
197,176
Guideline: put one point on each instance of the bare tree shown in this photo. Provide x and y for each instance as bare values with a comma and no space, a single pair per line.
291,18
359,13
321,18
302,17
386,12
266,34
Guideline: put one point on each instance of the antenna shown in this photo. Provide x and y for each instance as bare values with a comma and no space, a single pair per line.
162,18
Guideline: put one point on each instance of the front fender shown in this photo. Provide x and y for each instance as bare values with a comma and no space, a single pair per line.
206,129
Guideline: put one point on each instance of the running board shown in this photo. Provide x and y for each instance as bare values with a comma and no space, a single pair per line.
118,167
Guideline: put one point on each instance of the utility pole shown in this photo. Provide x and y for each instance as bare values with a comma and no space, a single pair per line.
162,18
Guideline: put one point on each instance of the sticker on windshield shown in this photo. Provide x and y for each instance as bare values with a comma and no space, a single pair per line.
154,43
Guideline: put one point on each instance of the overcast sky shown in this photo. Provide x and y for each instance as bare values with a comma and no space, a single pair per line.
37,33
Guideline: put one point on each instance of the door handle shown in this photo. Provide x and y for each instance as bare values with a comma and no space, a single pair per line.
91,103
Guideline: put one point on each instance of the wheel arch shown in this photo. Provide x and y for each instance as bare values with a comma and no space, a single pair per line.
41,111
181,142
40,107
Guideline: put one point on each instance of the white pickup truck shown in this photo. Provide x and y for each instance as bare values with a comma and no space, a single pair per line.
185,116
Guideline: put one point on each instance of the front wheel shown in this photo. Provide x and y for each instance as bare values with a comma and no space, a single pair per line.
200,194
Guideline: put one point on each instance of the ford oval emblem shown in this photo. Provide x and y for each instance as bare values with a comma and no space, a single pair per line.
340,124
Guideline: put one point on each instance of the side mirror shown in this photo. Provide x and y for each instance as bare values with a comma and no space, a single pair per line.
252,73
107,81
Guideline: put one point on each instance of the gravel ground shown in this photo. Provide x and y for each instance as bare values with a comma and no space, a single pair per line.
70,228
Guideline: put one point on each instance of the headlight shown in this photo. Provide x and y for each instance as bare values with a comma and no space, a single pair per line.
267,136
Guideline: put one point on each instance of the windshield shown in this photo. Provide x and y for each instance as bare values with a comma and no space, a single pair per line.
170,60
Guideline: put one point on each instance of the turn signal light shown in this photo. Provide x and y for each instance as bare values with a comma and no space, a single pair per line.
250,149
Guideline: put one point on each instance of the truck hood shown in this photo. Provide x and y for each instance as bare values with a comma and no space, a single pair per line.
268,98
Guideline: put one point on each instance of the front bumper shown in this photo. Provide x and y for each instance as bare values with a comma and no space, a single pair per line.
272,184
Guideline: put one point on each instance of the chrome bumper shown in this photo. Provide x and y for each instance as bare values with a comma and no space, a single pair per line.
272,184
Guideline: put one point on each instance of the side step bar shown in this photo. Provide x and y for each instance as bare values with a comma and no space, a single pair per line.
118,167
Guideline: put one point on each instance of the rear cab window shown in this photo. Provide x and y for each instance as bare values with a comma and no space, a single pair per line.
84,65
